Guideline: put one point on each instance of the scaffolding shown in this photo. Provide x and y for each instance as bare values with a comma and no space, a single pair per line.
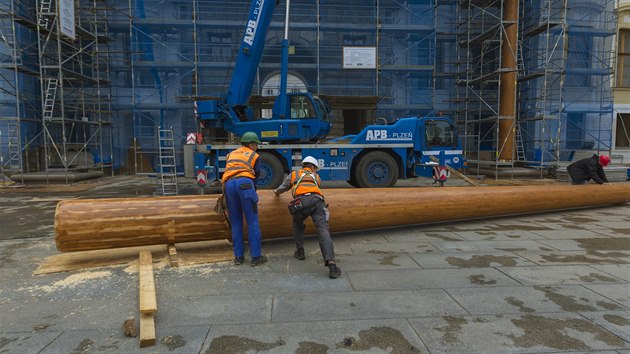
563,62
566,98
173,52
94,99
55,111
19,102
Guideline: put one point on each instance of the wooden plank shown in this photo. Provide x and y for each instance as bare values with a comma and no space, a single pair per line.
189,253
65,262
147,330
148,301
456,173
172,256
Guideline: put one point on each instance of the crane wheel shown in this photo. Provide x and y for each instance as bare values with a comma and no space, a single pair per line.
376,169
271,171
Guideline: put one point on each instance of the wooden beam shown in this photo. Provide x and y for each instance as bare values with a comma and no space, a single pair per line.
148,301
89,224
172,256
147,330
456,173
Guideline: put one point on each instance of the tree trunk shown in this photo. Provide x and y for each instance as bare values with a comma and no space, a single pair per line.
90,224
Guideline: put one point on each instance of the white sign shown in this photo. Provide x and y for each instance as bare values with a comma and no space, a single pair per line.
66,18
191,138
359,57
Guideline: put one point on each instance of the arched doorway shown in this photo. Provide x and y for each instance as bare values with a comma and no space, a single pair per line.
271,87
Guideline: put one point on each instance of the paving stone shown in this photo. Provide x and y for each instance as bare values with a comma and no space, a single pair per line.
494,245
559,275
568,234
570,257
470,260
621,271
377,262
38,316
92,284
214,310
617,292
293,282
25,342
367,336
393,248
364,305
531,299
455,226
418,235
585,244
617,322
527,333
499,235
184,340
428,279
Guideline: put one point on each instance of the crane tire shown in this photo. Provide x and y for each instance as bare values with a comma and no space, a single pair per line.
271,171
376,169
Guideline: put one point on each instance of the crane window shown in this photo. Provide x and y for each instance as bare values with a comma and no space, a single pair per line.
302,107
440,133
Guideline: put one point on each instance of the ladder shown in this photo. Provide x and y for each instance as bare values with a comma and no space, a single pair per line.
520,147
14,160
49,98
166,173
44,10
520,60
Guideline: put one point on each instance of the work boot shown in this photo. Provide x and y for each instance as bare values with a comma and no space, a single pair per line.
299,254
335,272
256,261
239,260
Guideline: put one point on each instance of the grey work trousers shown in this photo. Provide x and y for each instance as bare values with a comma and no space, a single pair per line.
319,214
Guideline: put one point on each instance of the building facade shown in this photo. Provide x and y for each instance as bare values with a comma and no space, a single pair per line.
89,90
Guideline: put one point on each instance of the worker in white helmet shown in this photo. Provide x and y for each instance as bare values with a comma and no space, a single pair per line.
309,201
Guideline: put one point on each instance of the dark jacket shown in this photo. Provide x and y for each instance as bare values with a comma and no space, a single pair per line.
586,169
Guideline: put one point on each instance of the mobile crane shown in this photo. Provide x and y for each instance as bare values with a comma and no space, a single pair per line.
377,156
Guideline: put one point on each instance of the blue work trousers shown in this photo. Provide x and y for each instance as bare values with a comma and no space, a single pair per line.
241,198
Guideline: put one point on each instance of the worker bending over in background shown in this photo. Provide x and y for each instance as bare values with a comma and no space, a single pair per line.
589,168
309,201
239,180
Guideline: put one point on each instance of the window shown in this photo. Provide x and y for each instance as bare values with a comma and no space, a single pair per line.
301,107
622,138
440,133
575,131
354,40
623,58
579,57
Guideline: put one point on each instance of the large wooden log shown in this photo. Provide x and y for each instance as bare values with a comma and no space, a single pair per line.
89,224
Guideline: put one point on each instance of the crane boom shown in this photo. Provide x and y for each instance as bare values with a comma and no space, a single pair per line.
297,117
250,52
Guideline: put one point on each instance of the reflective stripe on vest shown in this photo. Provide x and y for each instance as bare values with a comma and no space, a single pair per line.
240,163
305,181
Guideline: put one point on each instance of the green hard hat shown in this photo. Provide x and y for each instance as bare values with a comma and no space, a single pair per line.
250,137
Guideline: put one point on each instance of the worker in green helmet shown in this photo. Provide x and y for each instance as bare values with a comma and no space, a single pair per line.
242,168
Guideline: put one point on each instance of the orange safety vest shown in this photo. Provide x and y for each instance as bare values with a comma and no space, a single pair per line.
240,163
305,181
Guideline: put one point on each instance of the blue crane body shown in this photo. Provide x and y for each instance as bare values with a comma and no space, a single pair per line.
377,156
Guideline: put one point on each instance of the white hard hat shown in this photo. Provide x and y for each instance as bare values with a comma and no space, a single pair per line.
311,160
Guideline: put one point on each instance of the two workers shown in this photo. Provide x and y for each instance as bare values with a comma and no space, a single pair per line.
239,180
